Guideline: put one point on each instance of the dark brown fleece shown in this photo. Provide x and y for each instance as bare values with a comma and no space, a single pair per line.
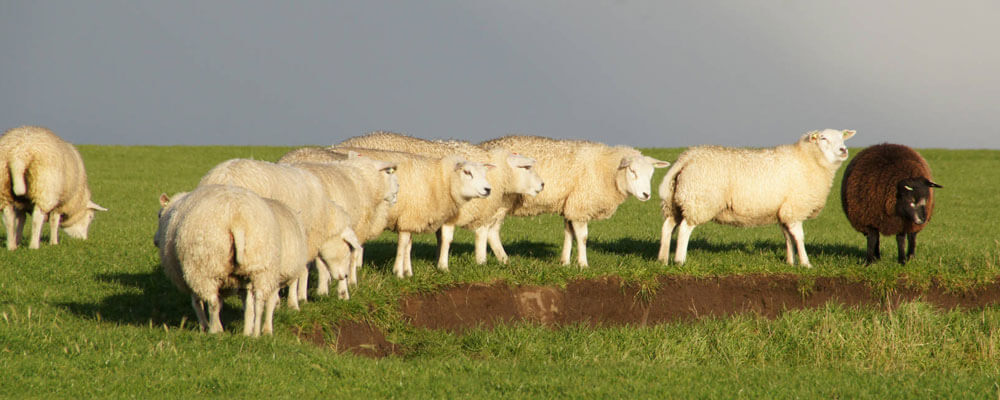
868,191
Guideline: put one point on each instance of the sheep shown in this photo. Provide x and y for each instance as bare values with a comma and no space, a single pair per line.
512,179
786,184
887,190
217,239
365,188
431,191
329,238
584,181
42,172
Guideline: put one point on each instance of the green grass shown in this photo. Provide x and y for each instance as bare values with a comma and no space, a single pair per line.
98,318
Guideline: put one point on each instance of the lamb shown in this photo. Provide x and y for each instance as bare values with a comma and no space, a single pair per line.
431,192
329,238
887,190
512,179
217,239
364,187
42,172
584,181
786,184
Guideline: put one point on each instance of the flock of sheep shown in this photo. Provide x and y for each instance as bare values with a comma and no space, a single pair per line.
246,229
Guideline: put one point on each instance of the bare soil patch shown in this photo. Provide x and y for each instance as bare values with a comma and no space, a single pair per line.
609,302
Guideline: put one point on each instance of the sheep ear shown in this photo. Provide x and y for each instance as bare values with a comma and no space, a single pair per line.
351,154
164,200
489,166
93,206
813,136
848,133
657,163
625,163
932,184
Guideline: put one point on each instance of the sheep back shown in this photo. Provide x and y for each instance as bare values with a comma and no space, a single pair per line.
581,177
869,188
747,187
474,213
426,197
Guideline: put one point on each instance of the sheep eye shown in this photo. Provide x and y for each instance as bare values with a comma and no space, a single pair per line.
467,172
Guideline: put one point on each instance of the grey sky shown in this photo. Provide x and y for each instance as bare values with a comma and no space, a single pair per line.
644,73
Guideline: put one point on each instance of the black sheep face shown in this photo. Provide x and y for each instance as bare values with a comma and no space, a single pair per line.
911,199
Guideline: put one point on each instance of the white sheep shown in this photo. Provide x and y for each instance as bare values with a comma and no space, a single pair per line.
584,181
366,188
329,237
431,191
512,178
786,184
218,239
42,172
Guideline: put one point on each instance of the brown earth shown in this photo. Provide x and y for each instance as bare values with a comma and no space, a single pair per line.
608,302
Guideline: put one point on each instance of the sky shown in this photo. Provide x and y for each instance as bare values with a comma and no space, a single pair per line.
641,73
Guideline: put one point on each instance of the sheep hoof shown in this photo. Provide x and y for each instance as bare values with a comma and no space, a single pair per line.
343,295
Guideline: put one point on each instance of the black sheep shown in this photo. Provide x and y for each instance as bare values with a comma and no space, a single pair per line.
887,190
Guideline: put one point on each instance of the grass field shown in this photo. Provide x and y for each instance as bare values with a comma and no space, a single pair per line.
98,318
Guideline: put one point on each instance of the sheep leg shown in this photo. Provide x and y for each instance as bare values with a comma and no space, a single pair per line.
397,265
873,252
343,292
580,231
407,260
445,236
54,219
10,222
37,219
901,248
683,235
496,245
795,229
199,311
323,273
272,301
789,245
911,246
567,243
258,309
248,316
357,258
21,217
665,232
214,309
482,235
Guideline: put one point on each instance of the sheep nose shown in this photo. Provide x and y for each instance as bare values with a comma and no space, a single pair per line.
541,185
487,190
645,196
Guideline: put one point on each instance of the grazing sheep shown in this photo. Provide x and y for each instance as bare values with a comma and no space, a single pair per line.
329,238
366,189
887,190
431,191
584,181
218,239
42,172
512,179
786,184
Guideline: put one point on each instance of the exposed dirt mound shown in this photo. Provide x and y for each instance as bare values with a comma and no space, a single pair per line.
609,301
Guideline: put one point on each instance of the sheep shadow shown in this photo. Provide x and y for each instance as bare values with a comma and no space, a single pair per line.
149,299
649,249
382,254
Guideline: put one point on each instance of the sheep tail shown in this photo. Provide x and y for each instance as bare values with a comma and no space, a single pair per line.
670,181
239,245
17,168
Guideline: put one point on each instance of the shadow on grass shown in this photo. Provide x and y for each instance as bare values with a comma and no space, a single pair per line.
650,249
154,300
